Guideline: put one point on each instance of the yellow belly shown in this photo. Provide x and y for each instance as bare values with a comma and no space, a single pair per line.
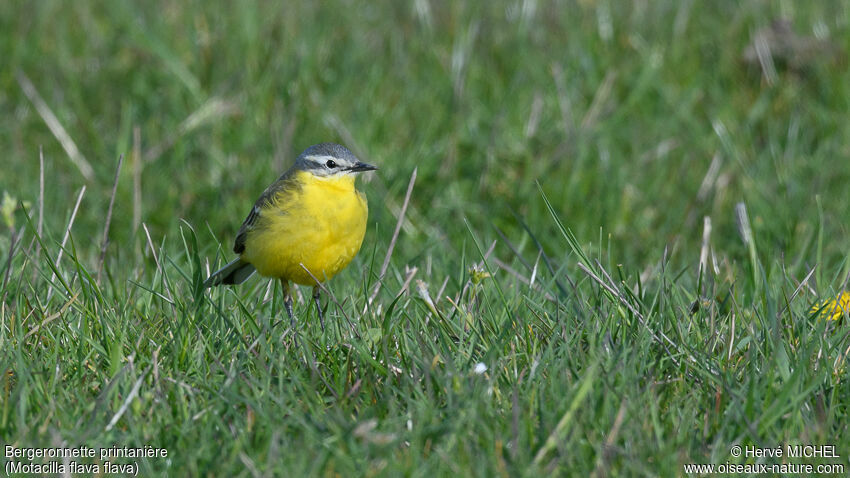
319,227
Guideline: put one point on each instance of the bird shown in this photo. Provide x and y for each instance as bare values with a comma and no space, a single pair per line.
305,227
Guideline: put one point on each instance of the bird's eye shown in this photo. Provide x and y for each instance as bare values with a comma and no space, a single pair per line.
331,164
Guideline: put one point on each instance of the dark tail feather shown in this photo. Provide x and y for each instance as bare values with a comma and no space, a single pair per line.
234,272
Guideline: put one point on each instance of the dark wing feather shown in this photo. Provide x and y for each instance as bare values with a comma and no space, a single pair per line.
284,183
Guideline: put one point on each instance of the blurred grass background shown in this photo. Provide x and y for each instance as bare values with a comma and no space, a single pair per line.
617,110
637,119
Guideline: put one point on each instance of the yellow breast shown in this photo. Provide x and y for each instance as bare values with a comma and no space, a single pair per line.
319,225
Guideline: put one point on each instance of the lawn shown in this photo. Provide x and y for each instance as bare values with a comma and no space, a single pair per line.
600,240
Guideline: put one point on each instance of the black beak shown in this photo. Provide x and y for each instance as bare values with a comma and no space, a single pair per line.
360,166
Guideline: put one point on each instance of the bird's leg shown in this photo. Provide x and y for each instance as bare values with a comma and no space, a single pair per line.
316,293
287,301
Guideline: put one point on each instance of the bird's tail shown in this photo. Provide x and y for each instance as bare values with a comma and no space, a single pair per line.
234,272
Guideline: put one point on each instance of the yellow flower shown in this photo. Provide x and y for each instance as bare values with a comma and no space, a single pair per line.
834,309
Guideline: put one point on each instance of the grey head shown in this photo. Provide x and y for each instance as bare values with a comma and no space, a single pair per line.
330,159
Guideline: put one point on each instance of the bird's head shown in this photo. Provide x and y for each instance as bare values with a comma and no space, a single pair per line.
330,160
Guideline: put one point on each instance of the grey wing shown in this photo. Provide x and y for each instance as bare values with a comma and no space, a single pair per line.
284,182
247,225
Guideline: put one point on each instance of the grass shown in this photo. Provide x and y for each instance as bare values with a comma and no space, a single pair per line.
544,309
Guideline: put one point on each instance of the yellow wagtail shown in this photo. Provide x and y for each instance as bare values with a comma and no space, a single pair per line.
305,227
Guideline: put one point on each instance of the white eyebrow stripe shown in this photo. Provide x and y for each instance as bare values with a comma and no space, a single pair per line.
322,159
